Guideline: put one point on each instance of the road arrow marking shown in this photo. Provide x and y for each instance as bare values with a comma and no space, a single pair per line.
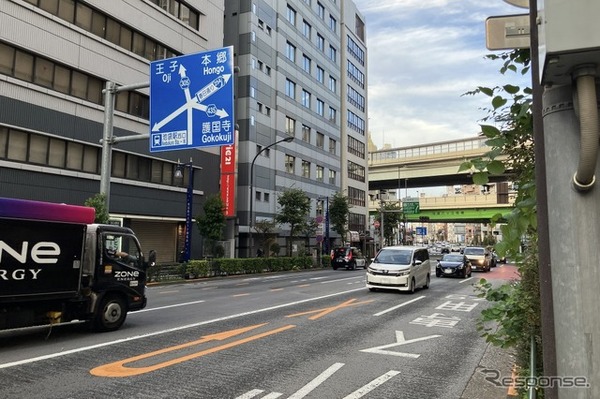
118,369
325,311
400,340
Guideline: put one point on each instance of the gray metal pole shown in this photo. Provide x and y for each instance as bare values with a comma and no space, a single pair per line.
107,137
251,221
573,229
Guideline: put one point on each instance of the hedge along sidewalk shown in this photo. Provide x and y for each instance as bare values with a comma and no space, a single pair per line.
206,268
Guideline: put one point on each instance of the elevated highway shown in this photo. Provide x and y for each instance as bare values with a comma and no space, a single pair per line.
429,165
435,165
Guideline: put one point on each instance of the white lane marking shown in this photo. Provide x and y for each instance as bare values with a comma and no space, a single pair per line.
250,394
342,279
399,306
168,292
170,330
166,307
256,392
467,279
318,380
359,393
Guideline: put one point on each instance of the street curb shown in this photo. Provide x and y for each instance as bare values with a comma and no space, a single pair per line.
493,358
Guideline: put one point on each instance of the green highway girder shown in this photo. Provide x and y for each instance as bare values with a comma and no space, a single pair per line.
467,215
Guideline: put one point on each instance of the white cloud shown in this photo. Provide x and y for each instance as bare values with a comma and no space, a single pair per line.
423,56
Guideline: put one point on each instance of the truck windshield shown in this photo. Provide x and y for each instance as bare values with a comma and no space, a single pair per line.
122,248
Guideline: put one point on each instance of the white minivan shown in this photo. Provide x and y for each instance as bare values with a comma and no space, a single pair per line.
402,268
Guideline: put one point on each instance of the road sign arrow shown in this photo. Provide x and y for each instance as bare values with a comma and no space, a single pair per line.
121,369
400,340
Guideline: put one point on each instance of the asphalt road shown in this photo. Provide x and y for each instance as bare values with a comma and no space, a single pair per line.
314,334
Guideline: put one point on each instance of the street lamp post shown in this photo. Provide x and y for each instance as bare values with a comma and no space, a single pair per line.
188,205
326,246
251,223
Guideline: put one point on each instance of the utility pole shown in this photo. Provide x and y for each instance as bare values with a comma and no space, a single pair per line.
570,144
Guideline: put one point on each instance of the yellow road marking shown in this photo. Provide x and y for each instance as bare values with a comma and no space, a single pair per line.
119,368
325,311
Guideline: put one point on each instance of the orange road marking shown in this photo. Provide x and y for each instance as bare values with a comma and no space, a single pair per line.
118,369
323,312
304,285
276,289
512,391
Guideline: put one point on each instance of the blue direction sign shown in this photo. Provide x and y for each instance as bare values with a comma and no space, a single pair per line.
421,231
191,101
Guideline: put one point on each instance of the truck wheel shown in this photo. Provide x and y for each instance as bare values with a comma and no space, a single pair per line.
111,313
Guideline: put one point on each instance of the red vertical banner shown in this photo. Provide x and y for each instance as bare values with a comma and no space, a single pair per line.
228,179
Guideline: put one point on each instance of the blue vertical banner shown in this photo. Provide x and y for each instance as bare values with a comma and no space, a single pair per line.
187,249
327,229
191,101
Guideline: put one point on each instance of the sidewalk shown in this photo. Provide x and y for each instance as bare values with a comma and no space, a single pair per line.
494,358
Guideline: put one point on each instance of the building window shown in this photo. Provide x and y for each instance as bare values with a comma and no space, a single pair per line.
356,172
320,171
290,164
332,54
320,75
321,10
291,15
290,51
290,126
356,147
320,140
320,42
332,23
306,29
306,169
332,84
306,64
306,133
267,197
332,145
332,176
320,107
290,89
305,98
332,115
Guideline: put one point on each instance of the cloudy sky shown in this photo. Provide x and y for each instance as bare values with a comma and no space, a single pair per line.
423,55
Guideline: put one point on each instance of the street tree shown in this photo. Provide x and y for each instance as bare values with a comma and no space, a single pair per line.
98,202
308,229
392,216
339,208
266,234
294,208
212,222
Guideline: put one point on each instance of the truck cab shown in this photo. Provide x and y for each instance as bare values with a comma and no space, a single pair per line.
57,266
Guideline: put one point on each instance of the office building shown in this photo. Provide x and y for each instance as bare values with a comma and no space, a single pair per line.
302,74
55,60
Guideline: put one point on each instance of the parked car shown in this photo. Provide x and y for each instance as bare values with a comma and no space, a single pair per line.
402,268
348,257
455,265
480,257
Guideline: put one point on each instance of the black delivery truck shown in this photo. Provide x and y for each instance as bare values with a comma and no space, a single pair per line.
57,266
